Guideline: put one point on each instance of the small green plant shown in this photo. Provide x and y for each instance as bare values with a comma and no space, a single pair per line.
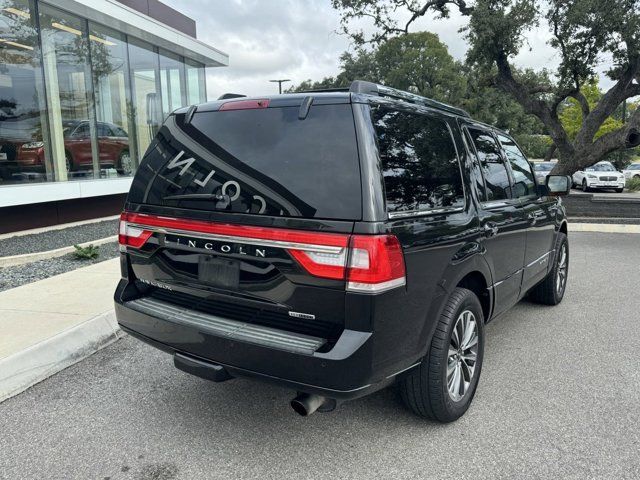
90,252
633,185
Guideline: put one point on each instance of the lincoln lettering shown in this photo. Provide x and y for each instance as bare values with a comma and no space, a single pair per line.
215,246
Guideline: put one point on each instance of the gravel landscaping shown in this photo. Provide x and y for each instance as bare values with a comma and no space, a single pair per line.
11,277
40,242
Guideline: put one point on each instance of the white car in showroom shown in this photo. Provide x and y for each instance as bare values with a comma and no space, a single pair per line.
602,175
632,171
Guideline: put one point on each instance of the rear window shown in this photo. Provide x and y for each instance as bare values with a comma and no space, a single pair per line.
261,161
419,162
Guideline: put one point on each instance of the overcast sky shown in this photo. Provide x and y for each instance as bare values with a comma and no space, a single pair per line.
297,39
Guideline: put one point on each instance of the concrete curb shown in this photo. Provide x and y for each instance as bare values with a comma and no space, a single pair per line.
60,226
38,362
23,258
603,227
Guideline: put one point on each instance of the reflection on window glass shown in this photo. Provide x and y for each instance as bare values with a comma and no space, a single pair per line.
195,83
143,63
23,152
171,82
113,109
66,72
419,161
493,168
524,182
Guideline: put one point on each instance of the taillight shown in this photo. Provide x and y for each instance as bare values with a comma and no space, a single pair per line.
375,263
131,235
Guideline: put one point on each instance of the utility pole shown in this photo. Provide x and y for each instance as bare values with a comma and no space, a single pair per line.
280,82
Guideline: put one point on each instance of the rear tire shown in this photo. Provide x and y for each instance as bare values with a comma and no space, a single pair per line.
443,385
551,290
619,190
585,187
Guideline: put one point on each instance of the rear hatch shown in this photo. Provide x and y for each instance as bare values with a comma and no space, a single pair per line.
243,210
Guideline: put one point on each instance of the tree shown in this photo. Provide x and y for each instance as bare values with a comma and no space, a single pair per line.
417,62
582,31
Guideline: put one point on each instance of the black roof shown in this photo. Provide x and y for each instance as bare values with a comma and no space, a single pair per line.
337,95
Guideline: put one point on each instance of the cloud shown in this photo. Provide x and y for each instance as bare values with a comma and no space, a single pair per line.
297,39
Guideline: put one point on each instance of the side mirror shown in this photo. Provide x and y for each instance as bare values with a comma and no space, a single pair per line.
558,185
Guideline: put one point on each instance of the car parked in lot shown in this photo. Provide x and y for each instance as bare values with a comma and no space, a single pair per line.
632,171
113,149
335,243
602,175
542,170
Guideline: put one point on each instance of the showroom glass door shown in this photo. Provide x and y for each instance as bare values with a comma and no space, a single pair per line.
23,134
144,66
112,93
65,56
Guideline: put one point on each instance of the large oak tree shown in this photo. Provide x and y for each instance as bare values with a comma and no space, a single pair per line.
585,33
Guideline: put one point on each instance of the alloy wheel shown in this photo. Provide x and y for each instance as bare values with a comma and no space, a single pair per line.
463,355
563,264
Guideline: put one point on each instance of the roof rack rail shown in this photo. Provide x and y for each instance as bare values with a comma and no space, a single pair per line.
361,86
323,90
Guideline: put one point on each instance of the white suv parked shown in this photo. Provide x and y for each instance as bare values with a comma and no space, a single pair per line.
602,175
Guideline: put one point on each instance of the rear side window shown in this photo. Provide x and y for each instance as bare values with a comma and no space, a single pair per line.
261,161
494,171
419,161
524,184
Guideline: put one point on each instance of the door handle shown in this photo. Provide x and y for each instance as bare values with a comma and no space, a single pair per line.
490,229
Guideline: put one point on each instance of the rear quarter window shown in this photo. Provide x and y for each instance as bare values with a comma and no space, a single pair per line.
419,161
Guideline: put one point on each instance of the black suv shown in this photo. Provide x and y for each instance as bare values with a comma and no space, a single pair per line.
335,243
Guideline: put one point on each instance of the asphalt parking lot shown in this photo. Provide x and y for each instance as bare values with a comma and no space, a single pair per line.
559,397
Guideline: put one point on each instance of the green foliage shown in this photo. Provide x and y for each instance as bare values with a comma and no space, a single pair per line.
417,62
585,35
534,146
90,252
633,184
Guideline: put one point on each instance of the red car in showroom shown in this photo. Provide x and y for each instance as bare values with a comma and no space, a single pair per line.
113,148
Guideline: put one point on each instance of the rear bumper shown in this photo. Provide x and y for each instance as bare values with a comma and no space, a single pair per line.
344,372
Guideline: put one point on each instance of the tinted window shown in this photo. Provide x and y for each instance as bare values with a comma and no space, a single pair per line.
419,161
104,130
494,170
260,161
634,166
524,184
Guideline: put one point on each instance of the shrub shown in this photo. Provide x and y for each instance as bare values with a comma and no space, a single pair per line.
633,185
90,252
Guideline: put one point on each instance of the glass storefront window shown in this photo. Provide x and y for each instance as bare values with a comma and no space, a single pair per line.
73,144
22,122
106,95
143,63
196,89
114,113
171,82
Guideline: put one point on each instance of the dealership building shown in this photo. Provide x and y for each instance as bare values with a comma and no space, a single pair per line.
84,86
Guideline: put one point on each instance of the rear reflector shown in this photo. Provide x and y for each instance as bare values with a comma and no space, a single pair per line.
244,105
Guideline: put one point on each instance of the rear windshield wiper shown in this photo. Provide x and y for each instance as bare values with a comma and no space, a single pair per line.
199,196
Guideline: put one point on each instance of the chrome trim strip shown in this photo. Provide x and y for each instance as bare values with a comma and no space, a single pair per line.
422,213
538,259
245,240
